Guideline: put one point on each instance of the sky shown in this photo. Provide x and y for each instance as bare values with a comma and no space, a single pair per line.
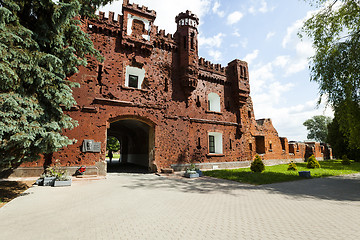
263,33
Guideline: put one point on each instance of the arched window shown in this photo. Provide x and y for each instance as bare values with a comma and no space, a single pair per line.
214,102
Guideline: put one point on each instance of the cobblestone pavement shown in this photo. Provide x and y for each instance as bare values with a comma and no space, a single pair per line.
147,206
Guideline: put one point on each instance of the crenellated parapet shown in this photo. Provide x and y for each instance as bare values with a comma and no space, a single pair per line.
142,10
208,66
163,40
107,26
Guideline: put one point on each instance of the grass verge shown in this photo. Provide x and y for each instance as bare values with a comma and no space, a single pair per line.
279,173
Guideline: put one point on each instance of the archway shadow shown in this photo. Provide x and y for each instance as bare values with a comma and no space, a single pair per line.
341,188
116,167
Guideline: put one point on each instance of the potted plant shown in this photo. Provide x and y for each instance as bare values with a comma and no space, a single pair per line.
55,176
63,180
191,172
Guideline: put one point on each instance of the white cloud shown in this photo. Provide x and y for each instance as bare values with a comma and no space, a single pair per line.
291,31
234,17
236,33
166,11
260,6
281,61
270,35
305,48
216,10
251,56
214,41
244,42
300,61
215,54
259,75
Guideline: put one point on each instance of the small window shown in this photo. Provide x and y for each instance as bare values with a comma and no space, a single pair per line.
215,143
133,81
214,102
134,77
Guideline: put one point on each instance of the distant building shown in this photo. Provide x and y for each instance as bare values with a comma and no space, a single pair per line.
165,105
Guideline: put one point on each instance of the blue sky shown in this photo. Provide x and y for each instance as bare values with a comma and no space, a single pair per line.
263,33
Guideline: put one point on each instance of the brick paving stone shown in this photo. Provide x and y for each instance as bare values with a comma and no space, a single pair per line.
146,206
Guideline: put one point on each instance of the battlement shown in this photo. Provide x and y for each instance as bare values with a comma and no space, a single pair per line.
142,10
188,14
187,19
110,19
162,34
207,65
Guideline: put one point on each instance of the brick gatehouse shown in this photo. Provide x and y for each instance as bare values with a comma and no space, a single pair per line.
165,105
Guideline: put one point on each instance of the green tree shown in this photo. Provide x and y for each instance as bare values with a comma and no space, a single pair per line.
41,45
317,127
112,144
339,143
335,31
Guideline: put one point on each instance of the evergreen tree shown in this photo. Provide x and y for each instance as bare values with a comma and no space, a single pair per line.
41,45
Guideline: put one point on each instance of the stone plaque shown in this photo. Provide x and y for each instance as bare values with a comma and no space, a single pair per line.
90,145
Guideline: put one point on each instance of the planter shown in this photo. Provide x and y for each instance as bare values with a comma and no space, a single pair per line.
62,183
191,175
305,174
39,182
48,181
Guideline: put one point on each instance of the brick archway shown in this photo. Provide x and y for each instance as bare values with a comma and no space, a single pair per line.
137,139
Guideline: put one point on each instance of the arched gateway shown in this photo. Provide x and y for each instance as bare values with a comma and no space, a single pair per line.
136,137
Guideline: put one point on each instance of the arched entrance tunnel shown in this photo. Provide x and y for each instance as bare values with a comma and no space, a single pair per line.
136,142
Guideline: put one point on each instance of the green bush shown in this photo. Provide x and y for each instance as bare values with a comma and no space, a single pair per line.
292,166
257,165
312,162
345,160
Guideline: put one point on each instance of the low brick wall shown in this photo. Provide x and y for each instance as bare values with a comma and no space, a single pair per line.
99,169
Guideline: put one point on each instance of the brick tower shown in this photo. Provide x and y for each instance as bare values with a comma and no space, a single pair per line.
186,37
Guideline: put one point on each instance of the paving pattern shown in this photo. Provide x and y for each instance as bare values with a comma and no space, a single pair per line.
147,206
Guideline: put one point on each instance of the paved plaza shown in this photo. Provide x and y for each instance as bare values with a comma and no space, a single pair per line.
148,206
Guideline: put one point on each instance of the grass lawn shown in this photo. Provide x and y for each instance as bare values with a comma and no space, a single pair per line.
115,156
279,173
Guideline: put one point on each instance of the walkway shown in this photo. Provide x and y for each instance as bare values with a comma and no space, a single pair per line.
147,206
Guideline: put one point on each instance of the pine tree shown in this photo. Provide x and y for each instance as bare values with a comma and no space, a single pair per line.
41,45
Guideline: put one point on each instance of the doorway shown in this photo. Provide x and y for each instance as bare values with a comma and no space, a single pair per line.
136,143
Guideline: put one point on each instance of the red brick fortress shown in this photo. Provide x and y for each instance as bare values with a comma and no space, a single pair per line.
165,105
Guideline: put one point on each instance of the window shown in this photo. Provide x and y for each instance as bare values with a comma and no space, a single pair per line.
214,102
215,143
134,77
133,81
211,144
260,144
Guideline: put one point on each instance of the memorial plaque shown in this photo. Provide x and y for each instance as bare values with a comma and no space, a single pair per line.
90,145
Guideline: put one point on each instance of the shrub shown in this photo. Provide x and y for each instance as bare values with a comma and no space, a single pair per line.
312,162
257,165
292,166
345,160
